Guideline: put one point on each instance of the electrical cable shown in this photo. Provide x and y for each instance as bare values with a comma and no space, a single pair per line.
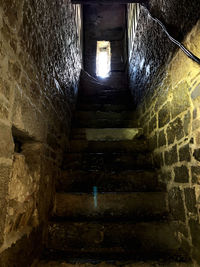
182,47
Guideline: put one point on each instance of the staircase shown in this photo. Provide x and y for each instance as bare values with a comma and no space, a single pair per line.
109,206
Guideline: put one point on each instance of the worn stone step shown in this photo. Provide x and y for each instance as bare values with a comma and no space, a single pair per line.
107,161
108,146
114,134
105,107
108,89
119,181
108,92
95,115
111,263
103,123
107,98
110,206
101,119
147,240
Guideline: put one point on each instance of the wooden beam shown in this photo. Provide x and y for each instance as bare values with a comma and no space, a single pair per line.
107,1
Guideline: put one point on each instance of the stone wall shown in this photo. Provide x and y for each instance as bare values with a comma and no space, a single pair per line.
170,115
40,62
151,47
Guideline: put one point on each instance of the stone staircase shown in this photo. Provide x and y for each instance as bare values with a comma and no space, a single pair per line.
109,205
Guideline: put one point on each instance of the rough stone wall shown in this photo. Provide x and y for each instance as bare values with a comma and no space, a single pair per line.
152,49
170,116
40,63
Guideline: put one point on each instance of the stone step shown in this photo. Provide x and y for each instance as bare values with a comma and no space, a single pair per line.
107,92
111,206
111,263
95,115
99,119
147,240
107,98
120,181
104,90
105,107
107,161
103,123
113,134
108,146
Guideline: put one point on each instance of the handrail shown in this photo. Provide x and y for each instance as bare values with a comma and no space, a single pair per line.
182,47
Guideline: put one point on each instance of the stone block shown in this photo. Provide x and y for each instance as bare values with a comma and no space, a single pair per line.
175,130
197,138
164,115
196,92
27,118
15,70
185,153
171,156
32,89
11,9
186,123
24,251
146,118
145,130
166,176
5,171
195,229
195,170
190,200
152,124
52,141
153,142
6,142
4,88
163,94
194,113
6,32
181,174
181,100
158,159
196,154
161,139
176,204
195,125
49,173
4,112
22,193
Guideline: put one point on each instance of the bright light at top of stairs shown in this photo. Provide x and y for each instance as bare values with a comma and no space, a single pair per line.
103,59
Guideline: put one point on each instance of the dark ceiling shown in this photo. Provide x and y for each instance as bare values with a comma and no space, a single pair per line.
107,1
104,22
